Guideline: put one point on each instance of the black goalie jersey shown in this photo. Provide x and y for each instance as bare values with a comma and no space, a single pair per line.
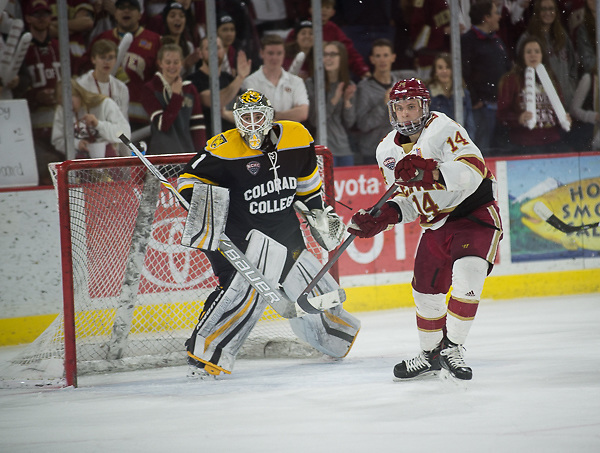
263,184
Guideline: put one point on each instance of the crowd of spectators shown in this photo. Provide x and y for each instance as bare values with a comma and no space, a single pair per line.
150,59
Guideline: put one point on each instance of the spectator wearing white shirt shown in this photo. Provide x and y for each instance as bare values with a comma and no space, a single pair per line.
286,92
97,124
100,80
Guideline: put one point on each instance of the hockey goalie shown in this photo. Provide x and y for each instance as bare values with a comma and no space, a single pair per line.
247,185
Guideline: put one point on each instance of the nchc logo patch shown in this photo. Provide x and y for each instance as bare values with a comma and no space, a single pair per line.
390,163
253,167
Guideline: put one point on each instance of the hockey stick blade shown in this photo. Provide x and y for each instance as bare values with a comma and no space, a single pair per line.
304,298
548,216
277,299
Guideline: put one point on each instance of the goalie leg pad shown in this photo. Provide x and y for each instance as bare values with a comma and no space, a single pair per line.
207,217
332,332
302,273
223,328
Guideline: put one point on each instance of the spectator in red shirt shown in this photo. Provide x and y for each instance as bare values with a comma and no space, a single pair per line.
429,32
139,63
300,65
80,26
40,76
331,32
177,121
175,20
546,134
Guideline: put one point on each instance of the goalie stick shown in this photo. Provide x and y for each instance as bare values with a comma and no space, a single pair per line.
548,216
277,299
338,253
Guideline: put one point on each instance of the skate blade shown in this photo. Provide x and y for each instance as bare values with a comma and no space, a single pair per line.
200,374
451,380
429,375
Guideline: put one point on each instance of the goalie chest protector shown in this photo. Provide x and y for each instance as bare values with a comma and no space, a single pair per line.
262,185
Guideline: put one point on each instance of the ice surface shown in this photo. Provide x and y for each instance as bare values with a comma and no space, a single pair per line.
535,388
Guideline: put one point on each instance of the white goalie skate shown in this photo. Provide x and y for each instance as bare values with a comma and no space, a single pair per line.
199,372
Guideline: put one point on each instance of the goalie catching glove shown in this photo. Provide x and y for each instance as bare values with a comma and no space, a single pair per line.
366,225
325,225
415,171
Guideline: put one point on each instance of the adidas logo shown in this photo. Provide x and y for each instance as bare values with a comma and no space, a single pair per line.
470,294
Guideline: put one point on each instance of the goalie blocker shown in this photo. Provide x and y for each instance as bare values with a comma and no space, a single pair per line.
207,217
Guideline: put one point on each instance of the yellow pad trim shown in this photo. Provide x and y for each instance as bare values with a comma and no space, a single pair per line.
210,368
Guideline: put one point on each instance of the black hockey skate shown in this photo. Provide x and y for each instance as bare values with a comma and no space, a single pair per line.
426,363
452,359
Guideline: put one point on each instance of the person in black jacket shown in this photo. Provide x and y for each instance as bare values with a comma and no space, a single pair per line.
484,61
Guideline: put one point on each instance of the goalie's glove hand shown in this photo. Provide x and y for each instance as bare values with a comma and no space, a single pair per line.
364,225
325,225
413,171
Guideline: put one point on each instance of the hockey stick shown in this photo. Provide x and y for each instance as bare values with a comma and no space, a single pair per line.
548,216
340,250
277,299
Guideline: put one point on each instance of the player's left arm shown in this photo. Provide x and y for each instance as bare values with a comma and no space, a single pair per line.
461,165
449,160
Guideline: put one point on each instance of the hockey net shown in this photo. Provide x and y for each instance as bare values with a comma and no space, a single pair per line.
132,294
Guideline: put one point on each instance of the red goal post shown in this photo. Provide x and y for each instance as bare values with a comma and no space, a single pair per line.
131,292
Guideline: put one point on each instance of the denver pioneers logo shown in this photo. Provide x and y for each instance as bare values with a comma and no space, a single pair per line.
251,96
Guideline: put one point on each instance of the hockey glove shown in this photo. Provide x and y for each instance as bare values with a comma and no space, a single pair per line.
413,170
364,225
325,225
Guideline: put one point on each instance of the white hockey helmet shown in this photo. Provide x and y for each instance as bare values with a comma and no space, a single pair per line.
253,116
409,89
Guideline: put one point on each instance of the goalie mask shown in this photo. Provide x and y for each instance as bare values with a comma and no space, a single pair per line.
253,116
405,90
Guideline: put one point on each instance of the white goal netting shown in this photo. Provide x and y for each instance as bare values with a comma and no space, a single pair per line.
133,292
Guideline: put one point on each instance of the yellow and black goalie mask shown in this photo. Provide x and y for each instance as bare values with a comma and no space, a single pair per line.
253,117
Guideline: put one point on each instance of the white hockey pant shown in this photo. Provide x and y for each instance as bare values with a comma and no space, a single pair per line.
468,277
332,332
222,330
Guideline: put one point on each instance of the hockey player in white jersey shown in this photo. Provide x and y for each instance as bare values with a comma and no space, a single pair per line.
444,183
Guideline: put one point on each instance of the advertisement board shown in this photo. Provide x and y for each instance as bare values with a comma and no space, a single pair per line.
17,156
570,187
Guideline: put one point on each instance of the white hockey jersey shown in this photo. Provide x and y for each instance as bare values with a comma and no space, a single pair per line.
460,163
